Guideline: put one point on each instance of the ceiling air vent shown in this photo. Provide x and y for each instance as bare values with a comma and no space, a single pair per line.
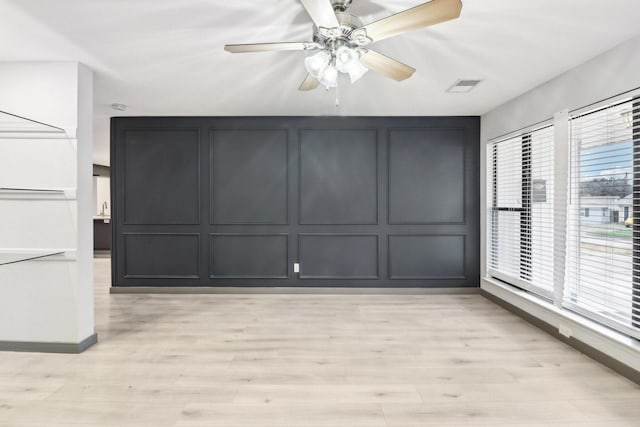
464,85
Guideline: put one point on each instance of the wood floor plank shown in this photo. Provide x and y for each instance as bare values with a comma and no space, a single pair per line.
327,394
487,413
309,415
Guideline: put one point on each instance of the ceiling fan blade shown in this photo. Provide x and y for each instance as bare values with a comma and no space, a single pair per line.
424,15
269,47
309,83
321,13
386,66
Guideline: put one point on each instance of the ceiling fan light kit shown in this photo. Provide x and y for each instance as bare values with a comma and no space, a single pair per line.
325,65
340,41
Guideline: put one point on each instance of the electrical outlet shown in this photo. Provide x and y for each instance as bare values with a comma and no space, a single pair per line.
296,267
565,330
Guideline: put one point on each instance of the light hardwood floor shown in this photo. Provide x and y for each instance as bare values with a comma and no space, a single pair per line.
303,360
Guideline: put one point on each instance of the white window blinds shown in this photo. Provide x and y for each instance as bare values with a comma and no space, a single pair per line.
520,176
600,249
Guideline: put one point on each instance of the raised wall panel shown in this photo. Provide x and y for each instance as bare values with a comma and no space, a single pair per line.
161,255
426,176
248,177
161,176
248,256
338,256
338,177
426,256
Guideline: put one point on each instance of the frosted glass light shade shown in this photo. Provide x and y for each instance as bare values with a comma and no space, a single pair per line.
315,64
344,57
348,62
356,70
329,77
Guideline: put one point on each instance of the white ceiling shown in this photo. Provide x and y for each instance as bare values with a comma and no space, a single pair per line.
165,57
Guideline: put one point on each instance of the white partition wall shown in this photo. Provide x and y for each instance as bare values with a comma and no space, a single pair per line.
46,206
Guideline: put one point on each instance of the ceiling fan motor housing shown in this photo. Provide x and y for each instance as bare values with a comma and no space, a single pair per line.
341,5
340,35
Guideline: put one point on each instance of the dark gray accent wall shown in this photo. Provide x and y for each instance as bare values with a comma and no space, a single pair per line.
361,202
161,255
338,256
161,176
248,256
338,177
435,256
427,195
248,170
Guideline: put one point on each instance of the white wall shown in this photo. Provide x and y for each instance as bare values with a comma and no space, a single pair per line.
84,302
46,92
607,75
49,300
604,76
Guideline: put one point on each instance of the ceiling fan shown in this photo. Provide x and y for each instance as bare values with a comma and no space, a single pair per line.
340,41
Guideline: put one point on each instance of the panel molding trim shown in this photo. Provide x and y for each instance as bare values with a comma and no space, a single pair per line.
285,134
302,276
126,235
248,276
422,277
116,180
465,142
374,142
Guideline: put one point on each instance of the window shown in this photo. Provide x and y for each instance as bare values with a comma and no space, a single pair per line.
600,270
521,210
576,246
